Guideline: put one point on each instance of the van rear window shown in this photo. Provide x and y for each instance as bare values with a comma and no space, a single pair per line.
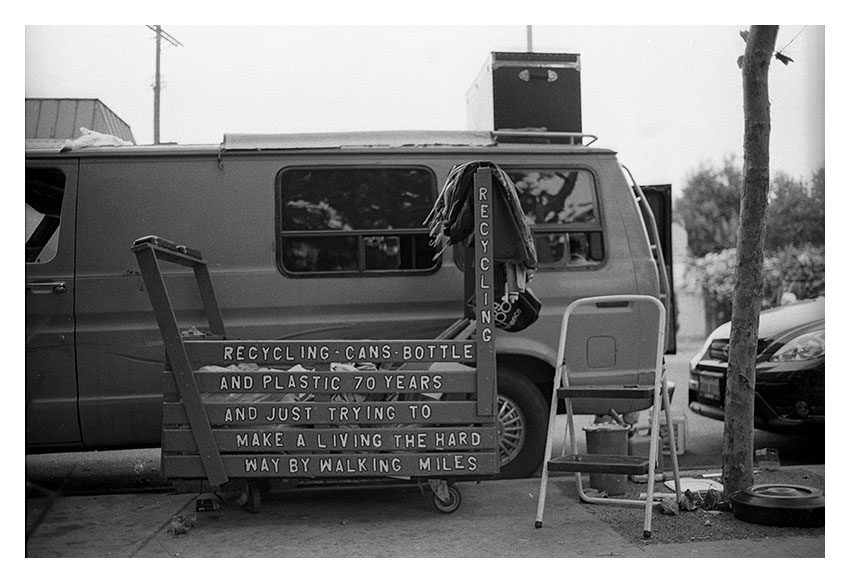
562,209
355,220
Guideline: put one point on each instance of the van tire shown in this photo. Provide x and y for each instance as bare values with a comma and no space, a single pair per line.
521,418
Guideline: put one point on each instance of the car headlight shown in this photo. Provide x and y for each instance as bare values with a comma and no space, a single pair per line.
804,347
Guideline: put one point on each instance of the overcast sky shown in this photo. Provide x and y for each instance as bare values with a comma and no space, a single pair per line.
668,98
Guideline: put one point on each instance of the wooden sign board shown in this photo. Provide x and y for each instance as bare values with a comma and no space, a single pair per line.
311,409
291,352
352,452
354,465
329,383
257,439
241,413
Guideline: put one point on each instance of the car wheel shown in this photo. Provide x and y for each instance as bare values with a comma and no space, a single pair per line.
521,419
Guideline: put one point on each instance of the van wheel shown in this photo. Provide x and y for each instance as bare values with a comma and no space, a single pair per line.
521,419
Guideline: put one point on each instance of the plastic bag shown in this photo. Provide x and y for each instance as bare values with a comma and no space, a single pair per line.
519,314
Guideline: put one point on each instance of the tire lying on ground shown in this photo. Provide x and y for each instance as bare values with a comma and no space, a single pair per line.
779,505
521,416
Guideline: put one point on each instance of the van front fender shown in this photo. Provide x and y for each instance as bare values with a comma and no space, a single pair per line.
524,346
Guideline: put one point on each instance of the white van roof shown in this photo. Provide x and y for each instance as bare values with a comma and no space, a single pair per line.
237,142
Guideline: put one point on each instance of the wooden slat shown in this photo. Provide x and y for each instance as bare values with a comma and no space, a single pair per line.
339,439
337,466
606,392
600,463
241,413
291,352
485,288
330,383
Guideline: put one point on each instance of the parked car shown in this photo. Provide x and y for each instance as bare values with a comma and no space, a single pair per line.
790,370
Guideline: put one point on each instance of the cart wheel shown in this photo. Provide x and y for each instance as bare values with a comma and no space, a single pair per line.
450,505
253,503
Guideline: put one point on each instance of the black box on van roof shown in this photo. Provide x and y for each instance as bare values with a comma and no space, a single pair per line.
527,91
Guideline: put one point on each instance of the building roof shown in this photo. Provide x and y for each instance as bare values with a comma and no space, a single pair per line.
49,122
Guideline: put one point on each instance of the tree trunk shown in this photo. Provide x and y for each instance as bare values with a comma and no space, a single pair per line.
737,455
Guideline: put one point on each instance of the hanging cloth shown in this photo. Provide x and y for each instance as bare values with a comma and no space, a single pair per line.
451,221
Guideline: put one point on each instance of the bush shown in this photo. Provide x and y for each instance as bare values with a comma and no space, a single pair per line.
711,200
800,271
715,275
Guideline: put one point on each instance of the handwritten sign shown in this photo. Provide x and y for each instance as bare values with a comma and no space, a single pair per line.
339,465
338,439
484,291
291,352
318,382
272,409
242,413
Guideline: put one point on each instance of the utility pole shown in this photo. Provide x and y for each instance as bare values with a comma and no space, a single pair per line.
528,37
157,86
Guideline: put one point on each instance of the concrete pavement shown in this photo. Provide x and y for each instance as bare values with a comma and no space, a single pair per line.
496,519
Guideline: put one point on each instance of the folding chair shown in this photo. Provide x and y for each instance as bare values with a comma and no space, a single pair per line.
610,356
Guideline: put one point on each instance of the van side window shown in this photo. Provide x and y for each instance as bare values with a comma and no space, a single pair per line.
45,188
336,221
561,207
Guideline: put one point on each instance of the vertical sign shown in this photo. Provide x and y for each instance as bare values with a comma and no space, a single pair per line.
484,290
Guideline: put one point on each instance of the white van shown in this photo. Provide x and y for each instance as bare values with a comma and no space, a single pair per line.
306,237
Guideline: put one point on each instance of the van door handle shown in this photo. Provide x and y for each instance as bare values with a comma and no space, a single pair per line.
45,287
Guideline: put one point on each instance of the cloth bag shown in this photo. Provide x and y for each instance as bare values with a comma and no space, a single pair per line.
519,314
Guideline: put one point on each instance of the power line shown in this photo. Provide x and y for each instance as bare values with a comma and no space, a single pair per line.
160,34
792,40
158,29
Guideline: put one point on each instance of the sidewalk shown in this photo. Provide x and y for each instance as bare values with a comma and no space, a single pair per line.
496,519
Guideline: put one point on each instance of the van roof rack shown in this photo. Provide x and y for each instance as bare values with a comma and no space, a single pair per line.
398,138
541,136
401,139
